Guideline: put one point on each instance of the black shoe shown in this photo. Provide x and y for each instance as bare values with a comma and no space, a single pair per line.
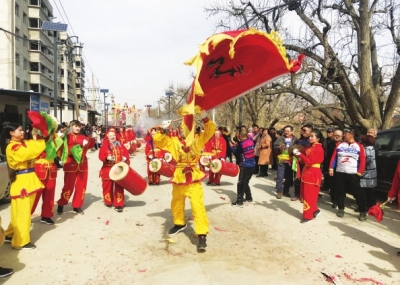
209,183
27,246
8,239
362,217
237,204
248,200
316,213
47,221
334,206
108,206
356,210
176,229
202,242
340,213
398,253
259,175
286,194
4,272
119,209
60,209
78,211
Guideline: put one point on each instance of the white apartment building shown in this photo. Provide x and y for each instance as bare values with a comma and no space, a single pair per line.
27,64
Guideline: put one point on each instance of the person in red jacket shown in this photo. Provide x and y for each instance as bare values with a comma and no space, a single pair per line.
394,191
311,175
75,168
152,152
217,145
112,151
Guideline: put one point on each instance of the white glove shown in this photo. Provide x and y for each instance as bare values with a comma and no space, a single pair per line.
150,156
222,159
110,158
123,158
296,152
203,114
390,200
85,142
134,142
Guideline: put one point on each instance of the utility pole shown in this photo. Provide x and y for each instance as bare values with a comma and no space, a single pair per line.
55,74
169,94
104,91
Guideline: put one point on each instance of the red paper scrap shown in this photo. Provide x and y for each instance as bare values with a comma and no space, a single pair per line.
338,256
222,198
363,279
142,270
191,219
219,229
319,260
107,222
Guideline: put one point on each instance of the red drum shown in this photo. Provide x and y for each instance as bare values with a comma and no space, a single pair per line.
224,168
128,147
205,160
138,144
129,179
132,149
162,167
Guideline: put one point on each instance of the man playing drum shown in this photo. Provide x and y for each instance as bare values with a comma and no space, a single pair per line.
187,180
111,152
216,145
152,152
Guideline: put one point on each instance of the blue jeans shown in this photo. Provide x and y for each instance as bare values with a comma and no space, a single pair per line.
284,171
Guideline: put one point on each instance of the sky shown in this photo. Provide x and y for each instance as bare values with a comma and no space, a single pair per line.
136,49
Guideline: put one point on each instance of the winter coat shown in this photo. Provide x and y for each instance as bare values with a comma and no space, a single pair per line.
369,177
265,151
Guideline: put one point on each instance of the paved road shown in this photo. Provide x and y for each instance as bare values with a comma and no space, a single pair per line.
261,243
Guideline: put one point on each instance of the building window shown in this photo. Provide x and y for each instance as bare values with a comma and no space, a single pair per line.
77,63
78,75
34,45
24,18
16,10
34,2
35,87
17,33
26,41
25,86
25,64
17,59
17,82
35,66
34,23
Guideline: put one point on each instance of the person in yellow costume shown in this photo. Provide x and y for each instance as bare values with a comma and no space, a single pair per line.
187,178
21,155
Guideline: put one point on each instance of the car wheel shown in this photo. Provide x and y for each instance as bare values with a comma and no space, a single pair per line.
7,198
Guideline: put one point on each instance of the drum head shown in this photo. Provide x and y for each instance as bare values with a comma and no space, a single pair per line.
127,145
216,165
168,157
119,171
204,160
155,165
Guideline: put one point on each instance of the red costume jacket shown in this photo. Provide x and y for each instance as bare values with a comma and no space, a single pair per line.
312,160
71,165
218,145
117,150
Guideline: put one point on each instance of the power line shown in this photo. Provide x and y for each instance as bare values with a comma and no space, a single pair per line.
59,12
70,25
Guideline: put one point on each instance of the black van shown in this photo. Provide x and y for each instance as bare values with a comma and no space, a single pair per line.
388,155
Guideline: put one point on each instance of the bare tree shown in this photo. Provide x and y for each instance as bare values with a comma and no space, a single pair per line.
347,43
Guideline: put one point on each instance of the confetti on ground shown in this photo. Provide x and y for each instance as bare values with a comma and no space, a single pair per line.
319,260
107,222
222,198
363,279
219,229
142,270
338,256
170,240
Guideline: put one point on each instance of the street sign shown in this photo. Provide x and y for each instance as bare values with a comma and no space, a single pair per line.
103,90
169,93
